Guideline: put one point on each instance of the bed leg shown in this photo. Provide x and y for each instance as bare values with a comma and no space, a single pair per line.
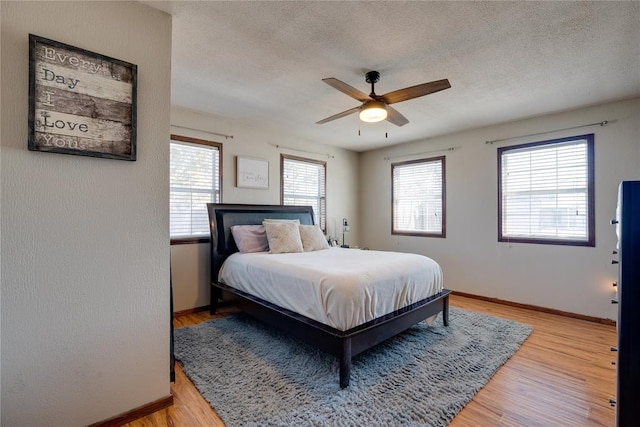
213,302
345,363
445,310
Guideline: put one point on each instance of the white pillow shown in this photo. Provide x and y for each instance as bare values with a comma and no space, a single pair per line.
312,238
283,237
295,221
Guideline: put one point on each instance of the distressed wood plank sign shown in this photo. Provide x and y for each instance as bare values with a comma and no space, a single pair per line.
80,102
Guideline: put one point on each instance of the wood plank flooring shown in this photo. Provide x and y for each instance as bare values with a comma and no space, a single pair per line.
561,376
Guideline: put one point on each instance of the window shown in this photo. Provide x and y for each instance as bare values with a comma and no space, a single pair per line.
545,192
418,193
304,184
195,180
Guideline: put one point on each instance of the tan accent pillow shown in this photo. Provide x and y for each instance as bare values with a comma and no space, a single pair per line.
312,238
295,221
283,237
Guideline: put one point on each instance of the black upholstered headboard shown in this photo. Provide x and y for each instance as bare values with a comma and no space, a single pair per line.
223,216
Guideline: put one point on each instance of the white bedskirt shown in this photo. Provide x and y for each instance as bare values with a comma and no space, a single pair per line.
341,288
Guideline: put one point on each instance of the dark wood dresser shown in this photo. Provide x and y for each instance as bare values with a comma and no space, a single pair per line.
627,224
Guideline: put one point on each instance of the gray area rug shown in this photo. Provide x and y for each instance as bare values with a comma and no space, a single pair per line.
253,375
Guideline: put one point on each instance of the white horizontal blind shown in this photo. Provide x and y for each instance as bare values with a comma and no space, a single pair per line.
194,182
545,192
303,184
418,188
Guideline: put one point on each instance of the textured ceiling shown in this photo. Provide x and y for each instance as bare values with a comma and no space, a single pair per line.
263,62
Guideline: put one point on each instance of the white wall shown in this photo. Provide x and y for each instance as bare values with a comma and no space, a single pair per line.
85,241
190,263
572,279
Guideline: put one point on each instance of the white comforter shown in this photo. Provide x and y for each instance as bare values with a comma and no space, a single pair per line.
342,288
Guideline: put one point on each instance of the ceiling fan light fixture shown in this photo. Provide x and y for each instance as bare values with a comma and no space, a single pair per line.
373,111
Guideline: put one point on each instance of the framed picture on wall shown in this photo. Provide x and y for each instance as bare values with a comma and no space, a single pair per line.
80,102
252,173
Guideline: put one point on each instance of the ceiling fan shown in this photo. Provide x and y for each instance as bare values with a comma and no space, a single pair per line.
376,108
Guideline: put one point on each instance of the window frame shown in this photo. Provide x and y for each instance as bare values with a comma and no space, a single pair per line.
443,231
323,163
591,232
218,145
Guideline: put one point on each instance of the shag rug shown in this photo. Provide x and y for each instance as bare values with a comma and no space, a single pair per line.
253,375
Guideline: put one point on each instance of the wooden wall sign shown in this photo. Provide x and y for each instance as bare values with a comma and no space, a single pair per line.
80,102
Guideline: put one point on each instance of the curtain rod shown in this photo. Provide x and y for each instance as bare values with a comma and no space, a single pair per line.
602,123
205,131
422,153
330,156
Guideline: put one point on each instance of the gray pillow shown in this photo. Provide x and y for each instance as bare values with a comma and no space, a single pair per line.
250,238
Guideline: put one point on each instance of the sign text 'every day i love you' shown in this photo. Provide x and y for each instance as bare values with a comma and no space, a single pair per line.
80,102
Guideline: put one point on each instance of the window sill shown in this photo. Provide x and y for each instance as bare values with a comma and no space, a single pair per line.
190,240
417,234
584,243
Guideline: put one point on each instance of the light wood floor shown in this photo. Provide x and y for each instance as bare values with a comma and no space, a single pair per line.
561,376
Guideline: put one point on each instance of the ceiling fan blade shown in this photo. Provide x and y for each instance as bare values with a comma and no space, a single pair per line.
348,89
339,115
393,116
415,91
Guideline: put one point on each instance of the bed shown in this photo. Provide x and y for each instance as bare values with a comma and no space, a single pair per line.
347,330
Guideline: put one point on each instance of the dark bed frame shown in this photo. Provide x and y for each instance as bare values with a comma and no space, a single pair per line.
343,344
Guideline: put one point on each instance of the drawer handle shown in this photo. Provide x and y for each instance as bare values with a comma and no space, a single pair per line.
614,301
614,348
612,402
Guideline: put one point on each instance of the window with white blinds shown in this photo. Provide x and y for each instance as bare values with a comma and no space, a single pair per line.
418,192
194,182
304,184
546,192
